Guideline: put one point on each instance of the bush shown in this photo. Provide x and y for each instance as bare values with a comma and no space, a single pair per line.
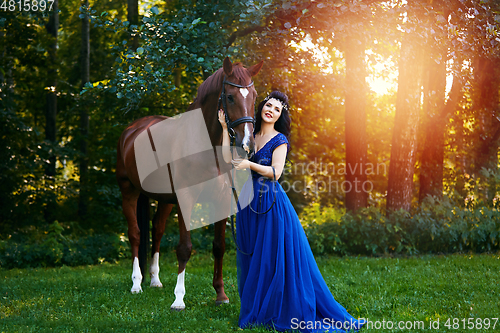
436,227
55,249
35,247
202,239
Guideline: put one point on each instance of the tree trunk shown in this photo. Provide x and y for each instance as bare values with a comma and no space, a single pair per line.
52,28
486,101
133,18
487,104
356,195
431,168
6,78
178,77
404,140
431,172
84,117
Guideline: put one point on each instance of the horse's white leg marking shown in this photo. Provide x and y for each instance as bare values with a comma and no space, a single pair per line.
136,278
179,292
154,270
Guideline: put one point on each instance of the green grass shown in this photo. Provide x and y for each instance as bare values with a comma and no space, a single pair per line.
98,299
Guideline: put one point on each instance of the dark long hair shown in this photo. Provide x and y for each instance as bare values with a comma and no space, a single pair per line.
283,123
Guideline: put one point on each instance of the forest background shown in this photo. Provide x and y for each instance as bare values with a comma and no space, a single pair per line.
396,100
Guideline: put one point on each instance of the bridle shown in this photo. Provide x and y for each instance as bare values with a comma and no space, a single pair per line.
232,135
222,99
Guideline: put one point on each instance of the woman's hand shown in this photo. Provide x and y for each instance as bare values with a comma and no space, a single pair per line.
222,119
240,163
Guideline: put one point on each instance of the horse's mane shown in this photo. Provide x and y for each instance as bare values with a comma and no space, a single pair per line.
213,84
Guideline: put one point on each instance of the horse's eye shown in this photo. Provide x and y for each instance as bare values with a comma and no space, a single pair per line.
230,98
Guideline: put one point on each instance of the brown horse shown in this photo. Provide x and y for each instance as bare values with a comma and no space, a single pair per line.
234,83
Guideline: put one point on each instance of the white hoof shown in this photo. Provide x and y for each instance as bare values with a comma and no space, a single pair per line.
136,289
156,283
177,309
177,306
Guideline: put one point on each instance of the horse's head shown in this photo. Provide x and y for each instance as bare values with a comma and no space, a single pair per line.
240,94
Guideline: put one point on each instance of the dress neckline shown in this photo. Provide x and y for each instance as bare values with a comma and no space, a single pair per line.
266,142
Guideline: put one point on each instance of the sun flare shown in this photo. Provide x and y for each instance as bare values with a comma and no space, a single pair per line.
382,74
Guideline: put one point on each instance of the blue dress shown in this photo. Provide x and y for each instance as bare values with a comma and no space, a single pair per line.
280,285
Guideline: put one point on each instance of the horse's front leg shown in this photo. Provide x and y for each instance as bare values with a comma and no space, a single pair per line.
219,247
159,222
183,254
129,207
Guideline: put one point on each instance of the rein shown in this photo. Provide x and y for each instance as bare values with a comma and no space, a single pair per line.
232,136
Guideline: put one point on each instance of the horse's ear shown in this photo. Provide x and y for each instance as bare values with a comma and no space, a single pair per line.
255,69
228,67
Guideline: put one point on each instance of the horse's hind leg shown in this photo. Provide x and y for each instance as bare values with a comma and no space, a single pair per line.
159,222
219,247
183,254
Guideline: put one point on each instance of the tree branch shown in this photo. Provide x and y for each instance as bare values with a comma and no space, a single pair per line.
279,15
246,31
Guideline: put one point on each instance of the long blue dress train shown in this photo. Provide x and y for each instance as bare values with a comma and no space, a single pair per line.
280,285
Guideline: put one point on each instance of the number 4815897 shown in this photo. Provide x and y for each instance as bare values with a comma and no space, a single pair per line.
26,5
471,323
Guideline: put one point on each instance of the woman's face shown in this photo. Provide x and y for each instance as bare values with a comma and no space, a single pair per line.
271,111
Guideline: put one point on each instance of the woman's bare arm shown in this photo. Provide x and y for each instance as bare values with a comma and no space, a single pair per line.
278,162
226,149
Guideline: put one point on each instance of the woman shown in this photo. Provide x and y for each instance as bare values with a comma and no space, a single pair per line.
279,282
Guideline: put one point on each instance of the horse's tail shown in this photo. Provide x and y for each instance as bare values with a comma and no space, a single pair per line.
143,223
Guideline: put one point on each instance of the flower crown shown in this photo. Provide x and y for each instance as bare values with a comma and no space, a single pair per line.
283,105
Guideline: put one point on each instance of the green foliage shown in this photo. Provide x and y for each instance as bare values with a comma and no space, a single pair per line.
52,248
436,227
202,239
68,244
187,37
